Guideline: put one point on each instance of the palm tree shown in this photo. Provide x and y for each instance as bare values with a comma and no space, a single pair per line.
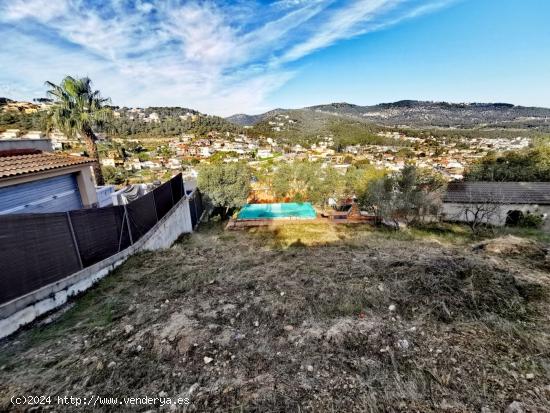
76,110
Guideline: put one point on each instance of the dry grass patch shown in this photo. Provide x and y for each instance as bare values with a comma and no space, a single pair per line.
300,326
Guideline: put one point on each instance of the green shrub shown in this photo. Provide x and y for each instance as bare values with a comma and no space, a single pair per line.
531,221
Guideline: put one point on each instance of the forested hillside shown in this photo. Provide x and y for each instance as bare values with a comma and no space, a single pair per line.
419,114
171,122
133,123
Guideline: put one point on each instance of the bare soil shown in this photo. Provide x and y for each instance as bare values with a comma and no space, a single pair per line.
304,318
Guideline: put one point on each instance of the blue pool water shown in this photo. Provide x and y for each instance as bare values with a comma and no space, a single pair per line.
302,210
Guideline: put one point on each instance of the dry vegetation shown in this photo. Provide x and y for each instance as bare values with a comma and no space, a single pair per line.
304,318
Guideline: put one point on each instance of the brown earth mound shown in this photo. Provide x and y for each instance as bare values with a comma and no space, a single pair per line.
451,287
512,245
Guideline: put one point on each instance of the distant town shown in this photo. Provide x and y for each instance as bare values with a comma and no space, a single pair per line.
132,160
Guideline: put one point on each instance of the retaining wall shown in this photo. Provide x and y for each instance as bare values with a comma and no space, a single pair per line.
23,310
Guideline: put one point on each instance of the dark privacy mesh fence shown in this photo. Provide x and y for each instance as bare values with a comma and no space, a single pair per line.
195,207
163,199
38,249
142,215
100,233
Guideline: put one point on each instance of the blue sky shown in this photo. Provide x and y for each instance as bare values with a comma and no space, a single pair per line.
225,57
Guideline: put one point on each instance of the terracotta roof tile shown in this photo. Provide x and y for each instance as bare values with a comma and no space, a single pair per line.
28,164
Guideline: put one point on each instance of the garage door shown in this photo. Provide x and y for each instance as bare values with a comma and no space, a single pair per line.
57,194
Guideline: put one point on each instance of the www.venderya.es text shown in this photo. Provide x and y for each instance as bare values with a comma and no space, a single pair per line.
96,401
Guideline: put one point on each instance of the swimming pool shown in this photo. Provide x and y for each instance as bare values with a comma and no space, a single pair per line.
302,210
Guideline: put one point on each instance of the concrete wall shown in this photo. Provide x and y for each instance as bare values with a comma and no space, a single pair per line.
168,231
86,187
455,212
15,144
23,310
190,184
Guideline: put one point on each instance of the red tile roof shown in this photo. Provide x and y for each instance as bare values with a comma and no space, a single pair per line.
14,152
28,164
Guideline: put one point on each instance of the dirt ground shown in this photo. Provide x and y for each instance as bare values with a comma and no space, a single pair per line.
304,318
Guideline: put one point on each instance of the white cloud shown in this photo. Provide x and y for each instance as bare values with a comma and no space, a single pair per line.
217,57
340,25
42,10
144,7
205,35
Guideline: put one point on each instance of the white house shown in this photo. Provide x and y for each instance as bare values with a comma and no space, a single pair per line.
108,162
499,203
150,165
9,134
34,134
153,117
264,153
205,152
174,163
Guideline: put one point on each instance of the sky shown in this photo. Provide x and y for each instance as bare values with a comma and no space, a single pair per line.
249,56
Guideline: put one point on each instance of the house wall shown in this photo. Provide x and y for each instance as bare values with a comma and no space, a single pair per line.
26,309
53,194
104,195
455,212
84,180
15,144
86,186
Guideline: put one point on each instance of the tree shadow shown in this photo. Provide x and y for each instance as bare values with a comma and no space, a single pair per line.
297,244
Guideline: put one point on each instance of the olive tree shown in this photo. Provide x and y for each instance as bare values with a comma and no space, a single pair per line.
296,181
226,185
408,196
307,181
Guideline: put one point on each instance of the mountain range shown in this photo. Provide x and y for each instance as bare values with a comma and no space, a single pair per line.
422,114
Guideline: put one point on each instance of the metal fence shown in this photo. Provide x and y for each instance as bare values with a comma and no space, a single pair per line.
38,249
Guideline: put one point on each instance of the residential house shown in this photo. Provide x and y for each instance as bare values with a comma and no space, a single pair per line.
497,203
60,140
108,162
153,117
151,165
174,163
34,134
205,151
264,153
9,134
36,181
